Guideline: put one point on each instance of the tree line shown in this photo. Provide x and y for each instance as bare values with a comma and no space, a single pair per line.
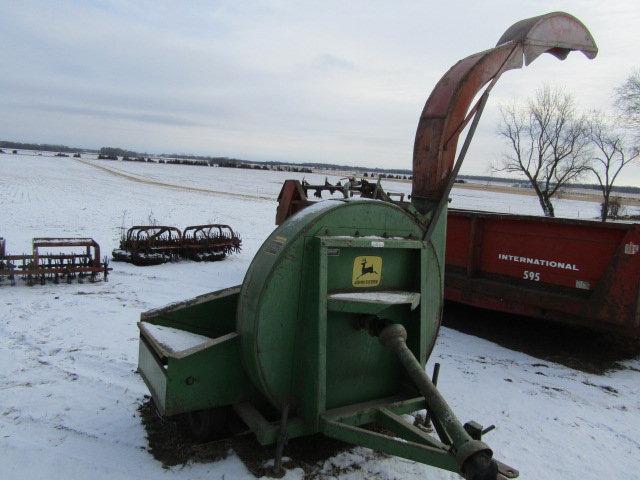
41,147
553,144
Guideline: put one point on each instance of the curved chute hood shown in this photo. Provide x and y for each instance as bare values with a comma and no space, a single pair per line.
447,112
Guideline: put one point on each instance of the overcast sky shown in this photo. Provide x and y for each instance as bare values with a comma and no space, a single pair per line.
341,82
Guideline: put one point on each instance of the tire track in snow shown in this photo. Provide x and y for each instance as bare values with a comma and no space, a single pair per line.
148,181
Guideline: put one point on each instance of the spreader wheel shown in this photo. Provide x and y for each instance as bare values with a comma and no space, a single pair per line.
207,425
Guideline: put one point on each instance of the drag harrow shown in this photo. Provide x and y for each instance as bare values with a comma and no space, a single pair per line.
48,262
209,243
149,245
340,308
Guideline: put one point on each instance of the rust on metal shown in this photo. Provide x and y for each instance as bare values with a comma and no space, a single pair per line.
447,112
82,261
156,244
149,245
291,199
294,195
209,242
572,271
448,109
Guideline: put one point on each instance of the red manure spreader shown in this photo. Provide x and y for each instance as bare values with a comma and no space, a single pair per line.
573,271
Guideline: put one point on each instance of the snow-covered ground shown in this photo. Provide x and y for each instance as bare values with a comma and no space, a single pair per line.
68,387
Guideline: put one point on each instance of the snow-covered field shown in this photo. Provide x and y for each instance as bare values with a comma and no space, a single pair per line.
68,388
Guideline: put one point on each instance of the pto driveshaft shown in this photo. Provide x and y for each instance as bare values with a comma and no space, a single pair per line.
473,456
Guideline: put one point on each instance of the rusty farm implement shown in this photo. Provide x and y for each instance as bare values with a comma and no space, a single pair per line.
206,243
54,259
153,245
149,245
331,329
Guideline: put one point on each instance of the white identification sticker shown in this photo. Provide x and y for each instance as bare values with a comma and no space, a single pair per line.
377,244
583,285
631,248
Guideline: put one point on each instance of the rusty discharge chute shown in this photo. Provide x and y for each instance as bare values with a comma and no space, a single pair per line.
445,114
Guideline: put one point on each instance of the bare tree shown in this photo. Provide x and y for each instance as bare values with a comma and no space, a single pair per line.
547,143
627,101
609,156
627,97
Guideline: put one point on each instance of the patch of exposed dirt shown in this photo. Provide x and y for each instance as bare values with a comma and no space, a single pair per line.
171,443
575,347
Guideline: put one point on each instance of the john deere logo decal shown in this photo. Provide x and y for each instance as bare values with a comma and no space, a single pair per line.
367,271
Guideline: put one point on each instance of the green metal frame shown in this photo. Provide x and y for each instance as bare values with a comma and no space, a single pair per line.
214,376
346,423
410,441
326,243
206,378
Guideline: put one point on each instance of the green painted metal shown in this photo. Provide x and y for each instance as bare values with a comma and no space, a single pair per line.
371,304
296,338
199,379
153,374
419,452
194,382
267,431
396,424
295,346
367,412
195,315
301,335
463,446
